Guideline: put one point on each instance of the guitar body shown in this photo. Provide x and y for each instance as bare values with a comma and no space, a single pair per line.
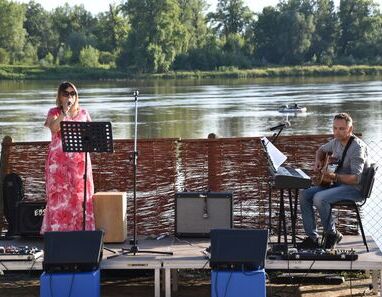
323,180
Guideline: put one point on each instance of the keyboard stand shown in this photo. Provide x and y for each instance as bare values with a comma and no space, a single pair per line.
282,225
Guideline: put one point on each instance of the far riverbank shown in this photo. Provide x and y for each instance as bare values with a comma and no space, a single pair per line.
19,72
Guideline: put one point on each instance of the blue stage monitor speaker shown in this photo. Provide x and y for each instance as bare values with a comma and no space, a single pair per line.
238,283
73,251
196,213
238,249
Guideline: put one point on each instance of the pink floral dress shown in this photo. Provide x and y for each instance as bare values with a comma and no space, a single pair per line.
64,175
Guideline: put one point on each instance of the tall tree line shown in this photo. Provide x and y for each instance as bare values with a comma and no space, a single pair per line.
164,35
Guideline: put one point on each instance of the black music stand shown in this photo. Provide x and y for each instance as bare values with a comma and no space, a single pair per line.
86,137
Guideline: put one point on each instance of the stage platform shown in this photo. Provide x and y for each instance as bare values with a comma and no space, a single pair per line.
188,253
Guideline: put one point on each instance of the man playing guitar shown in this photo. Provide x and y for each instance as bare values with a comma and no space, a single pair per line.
351,154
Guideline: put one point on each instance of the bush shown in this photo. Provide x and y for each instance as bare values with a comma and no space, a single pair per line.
47,60
89,57
29,54
4,56
107,58
64,56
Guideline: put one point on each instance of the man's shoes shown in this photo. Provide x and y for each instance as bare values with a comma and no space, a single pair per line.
331,240
308,244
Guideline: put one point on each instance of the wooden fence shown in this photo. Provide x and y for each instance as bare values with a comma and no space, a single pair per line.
167,166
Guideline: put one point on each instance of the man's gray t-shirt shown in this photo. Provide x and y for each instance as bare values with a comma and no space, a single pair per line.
356,158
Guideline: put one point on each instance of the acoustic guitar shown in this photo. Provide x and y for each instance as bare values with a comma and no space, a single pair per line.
329,165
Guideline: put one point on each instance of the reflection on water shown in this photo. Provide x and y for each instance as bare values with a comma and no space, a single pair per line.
193,109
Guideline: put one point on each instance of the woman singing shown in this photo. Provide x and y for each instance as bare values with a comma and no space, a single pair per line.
64,172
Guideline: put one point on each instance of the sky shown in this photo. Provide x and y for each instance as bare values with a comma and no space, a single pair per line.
96,6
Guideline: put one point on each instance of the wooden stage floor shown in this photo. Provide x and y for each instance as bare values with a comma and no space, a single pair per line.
188,253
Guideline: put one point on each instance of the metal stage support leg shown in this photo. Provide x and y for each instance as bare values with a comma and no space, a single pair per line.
157,282
167,276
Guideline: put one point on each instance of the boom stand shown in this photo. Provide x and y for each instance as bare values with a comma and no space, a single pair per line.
86,137
134,242
276,135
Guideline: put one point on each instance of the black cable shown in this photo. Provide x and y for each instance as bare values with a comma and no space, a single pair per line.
51,289
71,285
282,288
33,263
189,243
228,281
2,264
205,264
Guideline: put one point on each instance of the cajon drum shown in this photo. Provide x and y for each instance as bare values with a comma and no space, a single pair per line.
110,215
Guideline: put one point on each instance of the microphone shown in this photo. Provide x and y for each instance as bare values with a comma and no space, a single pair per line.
280,126
205,209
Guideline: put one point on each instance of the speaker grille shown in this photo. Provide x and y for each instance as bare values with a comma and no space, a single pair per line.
29,217
198,212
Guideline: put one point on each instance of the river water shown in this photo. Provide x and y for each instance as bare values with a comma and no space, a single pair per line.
195,108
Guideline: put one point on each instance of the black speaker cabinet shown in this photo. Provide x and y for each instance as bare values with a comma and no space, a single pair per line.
12,195
29,217
72,251
196,213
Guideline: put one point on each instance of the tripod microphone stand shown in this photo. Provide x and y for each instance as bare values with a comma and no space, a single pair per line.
134,241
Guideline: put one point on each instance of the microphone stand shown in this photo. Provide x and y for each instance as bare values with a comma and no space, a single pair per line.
134,242
276,135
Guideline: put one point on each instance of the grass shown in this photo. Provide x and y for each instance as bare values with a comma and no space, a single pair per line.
20,72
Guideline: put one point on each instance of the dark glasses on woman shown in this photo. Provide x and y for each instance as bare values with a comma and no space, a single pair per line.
67,94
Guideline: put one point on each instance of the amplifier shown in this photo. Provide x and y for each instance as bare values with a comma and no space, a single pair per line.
196,213
29,217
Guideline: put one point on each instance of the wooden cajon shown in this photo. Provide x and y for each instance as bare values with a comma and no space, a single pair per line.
110,215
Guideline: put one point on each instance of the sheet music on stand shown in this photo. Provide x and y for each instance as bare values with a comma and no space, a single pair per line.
275,157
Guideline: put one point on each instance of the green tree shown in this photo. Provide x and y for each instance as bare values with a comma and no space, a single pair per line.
64,55
266,36
12,33
231,17
29,54
297,29
112,29
4,56
156,35
284,34
325,35
360,29
193,18
107,58
75,26
47,60
39,26
89,57
78,40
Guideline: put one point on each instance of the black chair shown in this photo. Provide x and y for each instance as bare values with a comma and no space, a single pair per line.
367,186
